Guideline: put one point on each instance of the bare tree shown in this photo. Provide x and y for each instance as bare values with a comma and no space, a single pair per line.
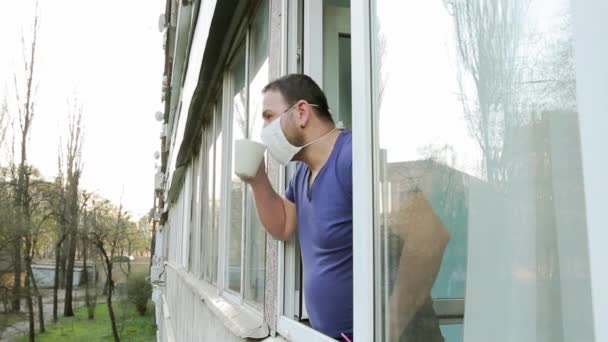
90,299
3,121
26,112
107,233
551,85
489,36
73,172
42,212
59,207
7,235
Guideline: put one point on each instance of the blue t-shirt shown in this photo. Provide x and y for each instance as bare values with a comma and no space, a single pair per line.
325,230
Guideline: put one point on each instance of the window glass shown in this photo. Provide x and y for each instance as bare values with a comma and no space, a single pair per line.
335,52
186,216
480,215
336,59
207,241
255,235
214,181
217,192
207,179
195,212
239,131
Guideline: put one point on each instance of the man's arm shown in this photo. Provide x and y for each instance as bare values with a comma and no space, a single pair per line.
425,239
415,278
277,214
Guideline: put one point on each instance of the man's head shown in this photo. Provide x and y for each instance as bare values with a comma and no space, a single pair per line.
302,108
304,95
300,87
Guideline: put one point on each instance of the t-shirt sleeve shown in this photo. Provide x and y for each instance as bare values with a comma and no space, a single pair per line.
349,175
290,193
345,163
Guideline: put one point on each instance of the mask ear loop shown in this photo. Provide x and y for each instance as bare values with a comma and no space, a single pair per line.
292,107
320,138
340,125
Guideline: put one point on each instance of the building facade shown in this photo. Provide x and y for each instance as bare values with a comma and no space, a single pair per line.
483,120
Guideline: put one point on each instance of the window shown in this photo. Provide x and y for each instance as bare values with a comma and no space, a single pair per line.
178,225
255,236
195,214
213,136
480,192
237,82
336,59
322,30
246,239
327,53
186,219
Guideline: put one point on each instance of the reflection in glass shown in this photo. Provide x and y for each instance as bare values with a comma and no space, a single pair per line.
193,263
477,125
239,131
336,59
214,175
186,220
217,199
208,212
255,235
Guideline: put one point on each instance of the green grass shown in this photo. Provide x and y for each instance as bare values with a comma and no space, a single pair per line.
78,328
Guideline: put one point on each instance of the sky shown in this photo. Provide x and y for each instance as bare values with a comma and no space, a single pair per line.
109,56
421,58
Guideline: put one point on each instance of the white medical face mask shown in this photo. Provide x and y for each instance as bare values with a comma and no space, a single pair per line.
277,144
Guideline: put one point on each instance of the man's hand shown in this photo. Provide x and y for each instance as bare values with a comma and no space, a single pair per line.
259,177
277,214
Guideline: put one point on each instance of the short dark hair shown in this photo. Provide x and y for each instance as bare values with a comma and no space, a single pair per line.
296,87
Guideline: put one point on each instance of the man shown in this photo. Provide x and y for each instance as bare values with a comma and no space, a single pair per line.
299,127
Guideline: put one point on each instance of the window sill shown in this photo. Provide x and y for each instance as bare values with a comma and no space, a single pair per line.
239,319
298,332
167,320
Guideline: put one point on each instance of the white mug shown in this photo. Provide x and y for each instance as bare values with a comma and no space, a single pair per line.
248,155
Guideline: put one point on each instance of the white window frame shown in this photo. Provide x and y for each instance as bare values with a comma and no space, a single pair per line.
363,173
237,298
363,309
313,40
195,215
186,212
589,23
591,85
227,118
225,186
201,237
291,61
218,157
206,194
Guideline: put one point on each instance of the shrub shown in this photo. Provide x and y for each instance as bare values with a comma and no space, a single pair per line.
139,291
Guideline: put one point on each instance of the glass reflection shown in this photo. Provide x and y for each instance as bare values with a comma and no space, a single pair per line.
239,131
477,124
255,234
214,178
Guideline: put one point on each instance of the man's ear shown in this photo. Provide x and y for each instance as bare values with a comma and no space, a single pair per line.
304,113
